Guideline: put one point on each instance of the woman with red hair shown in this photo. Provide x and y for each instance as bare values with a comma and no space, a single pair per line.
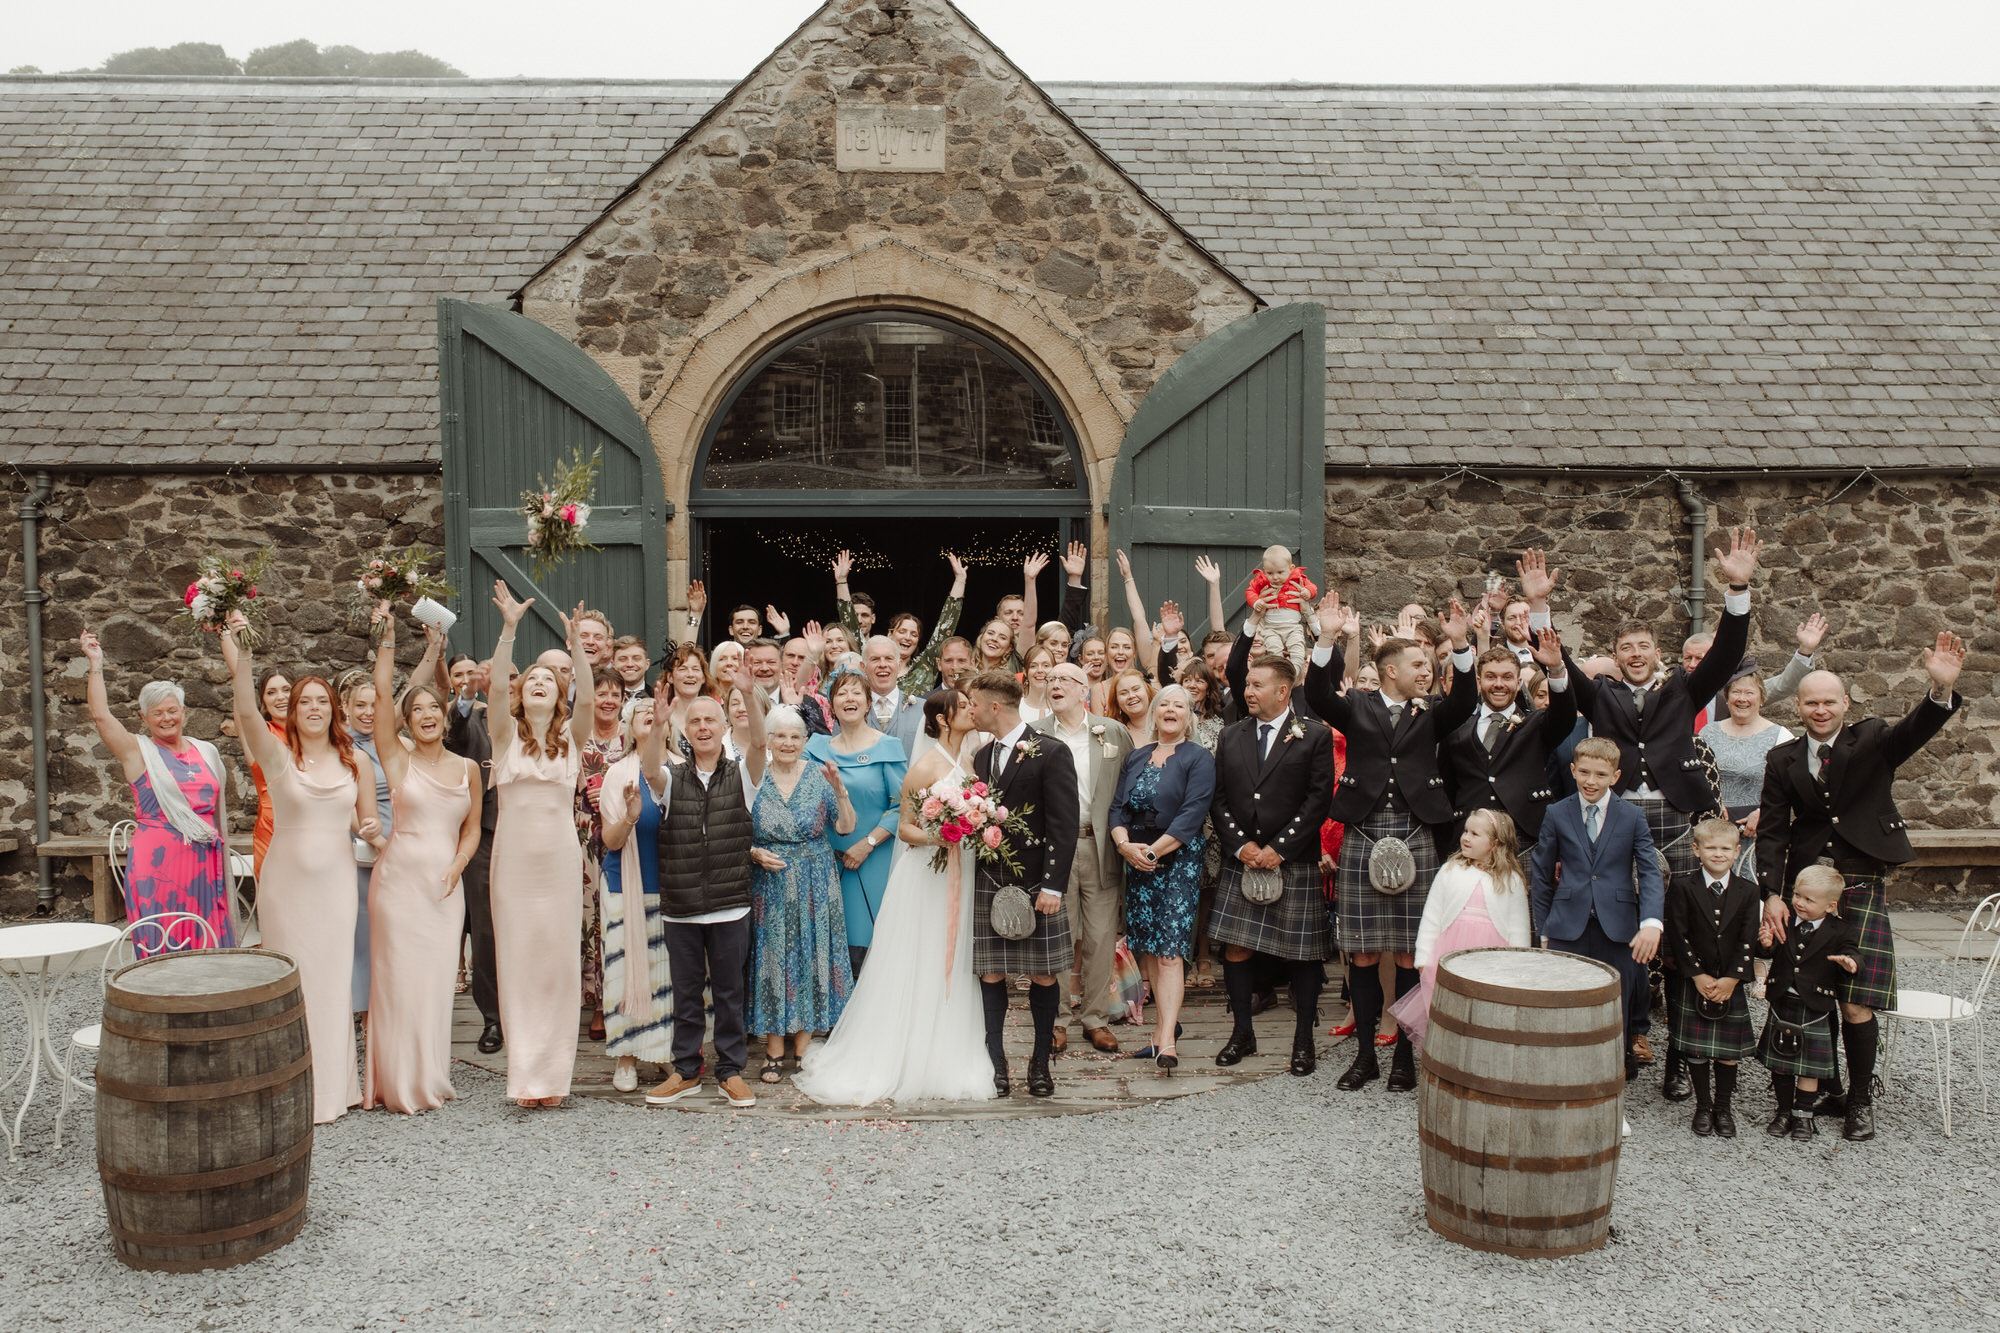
306,904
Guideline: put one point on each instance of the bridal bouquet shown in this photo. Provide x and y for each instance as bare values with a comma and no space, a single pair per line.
558,510
221,588
965,815
396,576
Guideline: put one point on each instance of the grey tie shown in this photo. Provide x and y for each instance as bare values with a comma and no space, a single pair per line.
1639,700
1001,751
1395,715
1590,816
1495,724
885,708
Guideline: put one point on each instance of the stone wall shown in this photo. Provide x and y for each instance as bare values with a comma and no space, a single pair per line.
115,555
1890,565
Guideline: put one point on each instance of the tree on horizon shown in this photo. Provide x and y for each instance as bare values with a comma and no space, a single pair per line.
287,60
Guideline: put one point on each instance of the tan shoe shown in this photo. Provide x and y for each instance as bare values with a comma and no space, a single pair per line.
1102,1039
738,1092
1642,1050
672,1090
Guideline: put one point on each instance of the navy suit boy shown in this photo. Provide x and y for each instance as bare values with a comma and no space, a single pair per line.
1595,881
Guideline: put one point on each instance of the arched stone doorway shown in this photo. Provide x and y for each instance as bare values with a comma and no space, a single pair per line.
897,434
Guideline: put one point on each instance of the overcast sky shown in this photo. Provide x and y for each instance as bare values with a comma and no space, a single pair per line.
1321,41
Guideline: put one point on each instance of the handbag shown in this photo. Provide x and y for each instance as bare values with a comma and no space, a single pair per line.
1263,887
1012,914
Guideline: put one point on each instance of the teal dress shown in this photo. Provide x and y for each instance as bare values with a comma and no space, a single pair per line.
874,779
799,970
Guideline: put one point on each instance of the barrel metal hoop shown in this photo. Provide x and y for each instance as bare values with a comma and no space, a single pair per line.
1517,1103
1539,1166
1527,999
223,1237
197,1036
198,1004
204,1092
1510,1037
1527,1092
1555,1222
207,1180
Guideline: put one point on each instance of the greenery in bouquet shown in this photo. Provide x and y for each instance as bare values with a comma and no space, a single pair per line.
223,585
966,814
398,576
558,510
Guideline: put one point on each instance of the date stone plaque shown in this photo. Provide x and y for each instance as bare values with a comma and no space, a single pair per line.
889,138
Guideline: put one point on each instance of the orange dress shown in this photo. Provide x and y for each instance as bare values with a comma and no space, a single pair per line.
260,837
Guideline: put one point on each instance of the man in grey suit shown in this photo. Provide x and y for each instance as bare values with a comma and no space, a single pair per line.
1097,873
890,711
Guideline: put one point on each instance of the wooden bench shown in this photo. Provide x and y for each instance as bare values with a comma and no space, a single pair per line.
105,902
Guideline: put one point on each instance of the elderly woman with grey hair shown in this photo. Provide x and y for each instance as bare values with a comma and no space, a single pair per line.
1164,792
179,860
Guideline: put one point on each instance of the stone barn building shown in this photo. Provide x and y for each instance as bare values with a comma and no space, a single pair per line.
889,292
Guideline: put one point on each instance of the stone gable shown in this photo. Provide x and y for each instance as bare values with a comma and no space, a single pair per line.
743,224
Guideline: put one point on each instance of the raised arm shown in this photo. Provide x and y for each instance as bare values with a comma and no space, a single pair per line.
500,667
843,598
429,667
1211,574
265,750
389,751
110,730
653,750
754,743
584,683
1149,651
1031,569
1076,597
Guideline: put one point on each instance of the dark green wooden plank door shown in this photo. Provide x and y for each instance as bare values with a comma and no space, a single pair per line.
1226,456
516,399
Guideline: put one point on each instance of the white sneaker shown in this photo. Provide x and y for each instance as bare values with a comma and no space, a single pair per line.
1624,1128
626,1079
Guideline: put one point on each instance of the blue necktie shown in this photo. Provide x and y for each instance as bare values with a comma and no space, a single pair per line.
1263,739
1590,821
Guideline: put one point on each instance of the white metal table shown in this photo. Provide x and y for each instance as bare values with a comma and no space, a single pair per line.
34,961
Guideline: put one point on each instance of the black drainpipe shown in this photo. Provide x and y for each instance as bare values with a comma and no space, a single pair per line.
1697,514
33,596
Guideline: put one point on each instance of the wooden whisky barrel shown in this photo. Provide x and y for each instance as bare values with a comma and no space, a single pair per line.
1521,1101
204,1108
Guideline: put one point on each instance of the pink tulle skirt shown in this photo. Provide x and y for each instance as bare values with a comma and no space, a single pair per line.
1472,929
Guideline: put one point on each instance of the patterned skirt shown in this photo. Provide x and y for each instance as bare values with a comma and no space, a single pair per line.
1673,834
1047,952
1814,1058
1160,904
1873,983
1372,921
1729,1037
1293,928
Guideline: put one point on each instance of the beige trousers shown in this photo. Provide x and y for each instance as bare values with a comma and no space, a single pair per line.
1093,916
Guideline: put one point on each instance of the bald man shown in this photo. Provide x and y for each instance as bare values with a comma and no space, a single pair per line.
1827,800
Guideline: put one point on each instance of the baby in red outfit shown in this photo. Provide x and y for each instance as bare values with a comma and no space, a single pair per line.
1283,631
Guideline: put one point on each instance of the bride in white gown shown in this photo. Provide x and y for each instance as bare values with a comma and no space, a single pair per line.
913,1027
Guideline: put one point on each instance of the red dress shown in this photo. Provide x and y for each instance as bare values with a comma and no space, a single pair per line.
1332,833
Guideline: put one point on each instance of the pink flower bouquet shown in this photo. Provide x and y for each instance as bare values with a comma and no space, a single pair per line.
558,511
965,814
222,586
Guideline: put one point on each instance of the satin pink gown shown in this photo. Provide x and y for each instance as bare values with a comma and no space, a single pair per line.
537,914
415,921
306,909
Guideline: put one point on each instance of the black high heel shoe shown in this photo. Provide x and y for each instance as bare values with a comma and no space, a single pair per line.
1168,1063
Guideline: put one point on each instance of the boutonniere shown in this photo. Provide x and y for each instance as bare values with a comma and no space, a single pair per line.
1415,706
1295,731
1514,721
1028,749
1110,750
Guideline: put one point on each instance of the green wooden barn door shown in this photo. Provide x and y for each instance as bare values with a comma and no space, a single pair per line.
1226,456
516,399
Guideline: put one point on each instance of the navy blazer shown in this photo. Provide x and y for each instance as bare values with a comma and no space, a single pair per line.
1618,876
1181,801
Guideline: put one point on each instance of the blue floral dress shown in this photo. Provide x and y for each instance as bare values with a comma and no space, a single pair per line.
1160,904
799,971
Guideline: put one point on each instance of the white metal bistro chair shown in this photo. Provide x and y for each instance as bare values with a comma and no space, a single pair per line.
169,932
243,869
1943,1011
119,847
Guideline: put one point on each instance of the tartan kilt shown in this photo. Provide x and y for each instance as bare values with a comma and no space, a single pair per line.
1294,927
1047,952
1371,921
1815,1057
1673,833
1873,983
1730,1037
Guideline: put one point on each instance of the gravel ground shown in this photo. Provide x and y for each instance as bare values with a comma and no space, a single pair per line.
1281,1204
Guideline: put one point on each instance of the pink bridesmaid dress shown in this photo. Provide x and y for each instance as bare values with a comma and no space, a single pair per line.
306,908
415,921
1472,928
537,914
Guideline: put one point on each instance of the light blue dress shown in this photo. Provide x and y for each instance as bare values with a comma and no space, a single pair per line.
383,812
874,779
799,972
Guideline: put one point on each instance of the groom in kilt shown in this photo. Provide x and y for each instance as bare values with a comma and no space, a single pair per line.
1827,801
1392,789
1033,775
1273,778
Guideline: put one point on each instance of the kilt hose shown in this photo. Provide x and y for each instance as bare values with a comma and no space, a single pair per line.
1371,921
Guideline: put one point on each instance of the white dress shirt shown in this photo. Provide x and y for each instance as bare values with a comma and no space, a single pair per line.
1003,755
1270,738
1079,741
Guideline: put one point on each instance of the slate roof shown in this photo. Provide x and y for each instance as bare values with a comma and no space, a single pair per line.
202,272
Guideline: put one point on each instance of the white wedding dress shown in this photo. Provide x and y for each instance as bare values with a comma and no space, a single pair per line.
914,1026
